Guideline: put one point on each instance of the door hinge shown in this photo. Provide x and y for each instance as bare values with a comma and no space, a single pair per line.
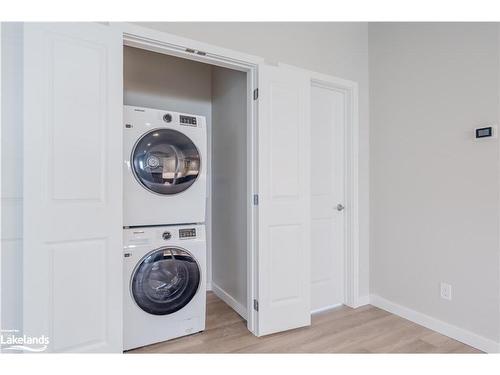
256,305
256,199
255,94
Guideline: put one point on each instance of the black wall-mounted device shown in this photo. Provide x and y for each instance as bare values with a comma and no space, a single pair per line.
484,132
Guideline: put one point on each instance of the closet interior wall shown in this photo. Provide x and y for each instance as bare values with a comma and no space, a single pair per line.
229,187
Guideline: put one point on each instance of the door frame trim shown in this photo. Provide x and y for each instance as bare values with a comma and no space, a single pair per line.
173,45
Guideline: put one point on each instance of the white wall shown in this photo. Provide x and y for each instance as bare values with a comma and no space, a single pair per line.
12,184
434,189
339,49
229,184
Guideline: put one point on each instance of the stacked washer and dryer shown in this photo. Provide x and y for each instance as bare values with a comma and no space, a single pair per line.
165,191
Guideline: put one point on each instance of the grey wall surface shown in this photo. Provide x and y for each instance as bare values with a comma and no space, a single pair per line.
434,189
164,82
335,48
229,182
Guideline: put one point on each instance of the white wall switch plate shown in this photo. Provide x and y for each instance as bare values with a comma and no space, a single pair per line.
446,291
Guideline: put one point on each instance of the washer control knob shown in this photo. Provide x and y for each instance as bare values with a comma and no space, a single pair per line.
167,117
167,235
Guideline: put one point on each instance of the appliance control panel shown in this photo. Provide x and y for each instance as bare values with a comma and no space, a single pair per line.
187,233
187,120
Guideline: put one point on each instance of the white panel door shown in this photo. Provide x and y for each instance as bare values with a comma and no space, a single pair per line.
73,186
284,247
327,190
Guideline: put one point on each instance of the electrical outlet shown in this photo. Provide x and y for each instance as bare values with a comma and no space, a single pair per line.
446,291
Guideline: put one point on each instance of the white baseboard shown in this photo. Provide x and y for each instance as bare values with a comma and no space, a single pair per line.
363,300
229,300
457,333
209,287
326,308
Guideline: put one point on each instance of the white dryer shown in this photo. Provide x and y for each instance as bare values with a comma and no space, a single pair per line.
165,156
164,283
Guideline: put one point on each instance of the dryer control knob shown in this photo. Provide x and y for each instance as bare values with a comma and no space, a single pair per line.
167,117
167,235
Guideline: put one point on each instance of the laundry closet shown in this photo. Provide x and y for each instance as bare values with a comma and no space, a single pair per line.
169,83
280,152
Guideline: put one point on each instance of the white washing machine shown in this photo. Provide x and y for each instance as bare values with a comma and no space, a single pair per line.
164,283
165,175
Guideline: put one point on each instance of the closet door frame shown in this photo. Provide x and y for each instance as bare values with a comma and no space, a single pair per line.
173,45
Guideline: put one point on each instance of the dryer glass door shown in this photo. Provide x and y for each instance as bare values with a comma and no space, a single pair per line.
165,161
165,281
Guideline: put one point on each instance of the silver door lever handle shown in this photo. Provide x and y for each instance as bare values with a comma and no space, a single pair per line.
340,207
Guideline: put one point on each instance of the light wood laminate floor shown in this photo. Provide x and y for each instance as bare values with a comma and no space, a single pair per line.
342,330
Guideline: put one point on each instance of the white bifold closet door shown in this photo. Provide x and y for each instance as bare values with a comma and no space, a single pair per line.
284,243
73,186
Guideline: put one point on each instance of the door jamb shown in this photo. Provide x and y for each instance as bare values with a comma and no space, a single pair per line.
173,45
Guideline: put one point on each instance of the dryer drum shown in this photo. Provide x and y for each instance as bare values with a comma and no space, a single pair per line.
165,161
165,280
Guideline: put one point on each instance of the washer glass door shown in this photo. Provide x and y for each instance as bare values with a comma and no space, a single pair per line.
165,161
165,280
